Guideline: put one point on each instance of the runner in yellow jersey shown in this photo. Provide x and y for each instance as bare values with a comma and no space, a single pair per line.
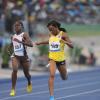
56,47
57,40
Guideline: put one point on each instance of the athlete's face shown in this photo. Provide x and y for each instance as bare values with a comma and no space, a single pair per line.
18,27
53,29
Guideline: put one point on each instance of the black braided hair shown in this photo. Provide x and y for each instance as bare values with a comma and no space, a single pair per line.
56,24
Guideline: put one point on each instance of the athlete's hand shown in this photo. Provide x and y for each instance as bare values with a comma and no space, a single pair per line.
34,44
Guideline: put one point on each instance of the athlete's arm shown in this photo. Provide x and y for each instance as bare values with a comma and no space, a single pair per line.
27,40
66,40
42,42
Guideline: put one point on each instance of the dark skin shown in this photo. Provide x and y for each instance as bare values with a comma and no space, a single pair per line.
15,60
62,68
26,39
66,40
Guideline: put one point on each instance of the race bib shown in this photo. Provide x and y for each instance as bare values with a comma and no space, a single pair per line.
18,47
54,46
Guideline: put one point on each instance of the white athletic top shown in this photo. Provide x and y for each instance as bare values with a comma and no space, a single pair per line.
18,47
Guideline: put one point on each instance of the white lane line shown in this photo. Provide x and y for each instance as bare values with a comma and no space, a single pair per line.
78,94
47,75
38,86
21,89
42,92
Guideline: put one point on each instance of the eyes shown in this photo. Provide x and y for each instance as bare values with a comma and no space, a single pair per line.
17,25
51,28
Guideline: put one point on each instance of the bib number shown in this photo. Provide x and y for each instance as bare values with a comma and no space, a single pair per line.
55,46
18,46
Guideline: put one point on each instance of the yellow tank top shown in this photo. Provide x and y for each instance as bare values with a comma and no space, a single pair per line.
56,47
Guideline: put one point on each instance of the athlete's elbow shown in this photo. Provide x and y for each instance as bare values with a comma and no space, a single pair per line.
31,45
70,45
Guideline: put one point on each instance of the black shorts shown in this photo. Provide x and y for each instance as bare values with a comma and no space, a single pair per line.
22,59
59,63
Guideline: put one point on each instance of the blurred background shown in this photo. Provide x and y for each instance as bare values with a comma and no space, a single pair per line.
81,18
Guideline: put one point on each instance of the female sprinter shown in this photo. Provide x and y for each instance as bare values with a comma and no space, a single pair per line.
57,40
19,57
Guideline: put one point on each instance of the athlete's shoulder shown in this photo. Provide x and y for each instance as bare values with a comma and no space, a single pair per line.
61,32
26,36
25,33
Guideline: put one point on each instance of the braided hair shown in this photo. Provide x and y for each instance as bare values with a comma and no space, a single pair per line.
56,24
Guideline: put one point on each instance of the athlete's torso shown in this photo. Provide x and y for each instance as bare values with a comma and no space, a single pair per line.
56,47
18,47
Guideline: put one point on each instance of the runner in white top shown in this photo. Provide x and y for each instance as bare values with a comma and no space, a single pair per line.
20,57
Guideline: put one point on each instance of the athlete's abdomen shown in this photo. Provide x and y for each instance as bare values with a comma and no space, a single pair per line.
57,56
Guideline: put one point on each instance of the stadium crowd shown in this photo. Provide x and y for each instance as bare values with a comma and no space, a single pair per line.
69,11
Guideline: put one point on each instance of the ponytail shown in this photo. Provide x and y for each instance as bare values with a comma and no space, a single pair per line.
62,29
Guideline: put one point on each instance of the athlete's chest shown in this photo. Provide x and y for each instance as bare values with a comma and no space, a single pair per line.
54,43
55,38
19,37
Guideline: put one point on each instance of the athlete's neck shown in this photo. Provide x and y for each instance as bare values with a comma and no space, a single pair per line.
18,32
56,33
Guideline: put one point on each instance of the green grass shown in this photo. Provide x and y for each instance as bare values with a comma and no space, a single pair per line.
82,30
